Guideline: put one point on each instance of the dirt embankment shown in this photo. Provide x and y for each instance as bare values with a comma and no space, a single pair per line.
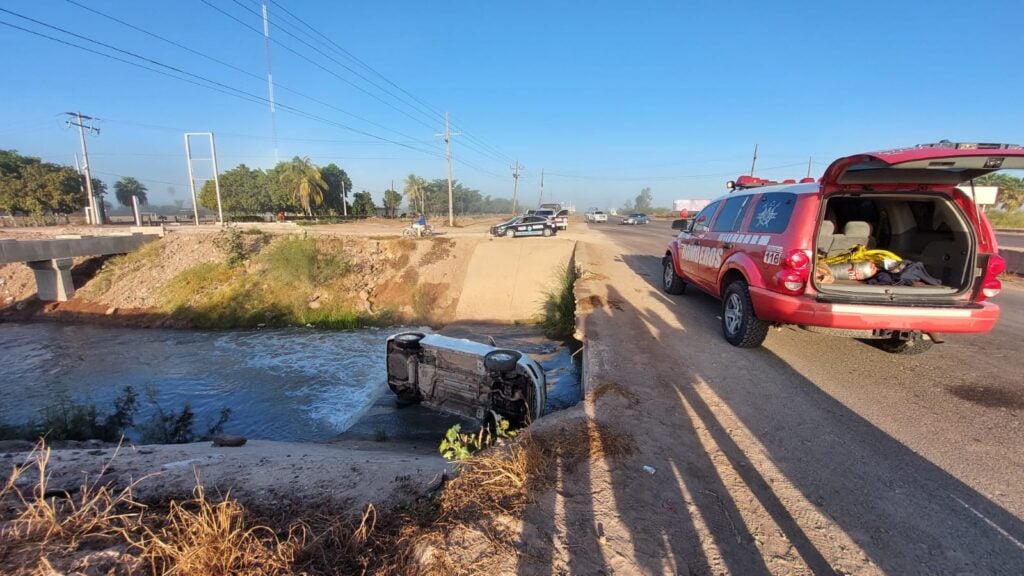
239,279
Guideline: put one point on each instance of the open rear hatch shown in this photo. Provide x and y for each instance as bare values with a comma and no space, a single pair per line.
895,229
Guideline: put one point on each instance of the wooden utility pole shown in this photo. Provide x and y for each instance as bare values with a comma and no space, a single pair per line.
99,212
541,188
515,186
754,162
447,136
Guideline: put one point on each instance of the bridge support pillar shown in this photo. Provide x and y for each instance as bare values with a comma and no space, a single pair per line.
53,279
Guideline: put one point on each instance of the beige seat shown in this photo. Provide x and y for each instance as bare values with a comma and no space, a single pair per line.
826,234
855,232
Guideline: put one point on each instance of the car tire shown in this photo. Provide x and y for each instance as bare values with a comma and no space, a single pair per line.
670,281
511,233
501,360
547,232
917,344
408,340
740,326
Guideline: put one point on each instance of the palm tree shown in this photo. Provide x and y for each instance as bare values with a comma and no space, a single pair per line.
415,191
303,179
127,187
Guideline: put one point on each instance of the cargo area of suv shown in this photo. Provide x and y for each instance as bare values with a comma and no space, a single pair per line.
929,229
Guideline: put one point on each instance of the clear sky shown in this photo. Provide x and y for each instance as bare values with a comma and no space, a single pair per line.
607,97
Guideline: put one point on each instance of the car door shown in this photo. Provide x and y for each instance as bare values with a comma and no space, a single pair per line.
691,247
723,240
531,226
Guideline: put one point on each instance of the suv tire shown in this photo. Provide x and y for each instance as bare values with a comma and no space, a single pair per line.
408,340
917,344
740,326
670,281
501,360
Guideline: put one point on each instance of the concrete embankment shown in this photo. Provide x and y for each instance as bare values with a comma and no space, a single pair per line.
508,279
1014,259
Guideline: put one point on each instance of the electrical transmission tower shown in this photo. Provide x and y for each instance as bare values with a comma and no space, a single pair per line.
99,213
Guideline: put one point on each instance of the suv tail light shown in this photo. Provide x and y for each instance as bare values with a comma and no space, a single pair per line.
796,267
990,284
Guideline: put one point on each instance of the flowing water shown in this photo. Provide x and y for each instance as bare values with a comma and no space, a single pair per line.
285,384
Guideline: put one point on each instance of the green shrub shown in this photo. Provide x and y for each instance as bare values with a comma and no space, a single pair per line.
66,419
298,260
230,241
1001,219
559,312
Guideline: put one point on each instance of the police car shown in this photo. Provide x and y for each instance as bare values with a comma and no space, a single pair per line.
803,253
526,225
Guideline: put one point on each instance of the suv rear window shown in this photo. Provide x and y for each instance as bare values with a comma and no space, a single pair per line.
731,217
772,212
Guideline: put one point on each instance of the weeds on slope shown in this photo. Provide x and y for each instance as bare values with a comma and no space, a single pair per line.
559,311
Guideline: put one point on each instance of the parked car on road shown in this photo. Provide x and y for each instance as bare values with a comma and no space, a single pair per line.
883,247
636,218
527,225
595,216
464,377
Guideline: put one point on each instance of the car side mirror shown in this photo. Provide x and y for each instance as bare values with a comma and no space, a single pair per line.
683,224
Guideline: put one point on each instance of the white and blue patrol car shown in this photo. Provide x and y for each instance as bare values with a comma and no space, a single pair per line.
526,225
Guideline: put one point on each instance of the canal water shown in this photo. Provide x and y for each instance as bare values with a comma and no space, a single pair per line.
295,384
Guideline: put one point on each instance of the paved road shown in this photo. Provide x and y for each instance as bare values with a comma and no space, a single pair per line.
960,406
1010,239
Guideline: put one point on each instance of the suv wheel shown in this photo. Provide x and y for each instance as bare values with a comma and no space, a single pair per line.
501,360
916,344
740,326
670,281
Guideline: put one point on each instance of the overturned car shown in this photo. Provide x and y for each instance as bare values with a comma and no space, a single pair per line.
465,378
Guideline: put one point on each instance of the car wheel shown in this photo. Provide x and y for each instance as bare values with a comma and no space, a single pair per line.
670,281
916,344
547,232
408,340
501,360
512,233
740,326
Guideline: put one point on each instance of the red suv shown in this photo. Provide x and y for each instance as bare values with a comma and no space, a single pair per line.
807,253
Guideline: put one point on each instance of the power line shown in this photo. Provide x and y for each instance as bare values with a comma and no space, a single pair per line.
311,61
431,111
242,71
216,86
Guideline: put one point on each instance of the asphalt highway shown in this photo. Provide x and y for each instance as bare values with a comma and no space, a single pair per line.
959,406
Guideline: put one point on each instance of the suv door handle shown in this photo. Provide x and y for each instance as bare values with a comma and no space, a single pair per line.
727,245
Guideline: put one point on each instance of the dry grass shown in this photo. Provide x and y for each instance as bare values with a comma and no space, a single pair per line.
440,249
200,537
39,527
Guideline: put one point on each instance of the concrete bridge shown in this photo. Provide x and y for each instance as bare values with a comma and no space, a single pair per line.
51,260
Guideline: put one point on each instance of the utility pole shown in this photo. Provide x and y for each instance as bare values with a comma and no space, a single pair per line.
515,186
809,159
447,136
99,213
270,79
754,163
90,210
541,188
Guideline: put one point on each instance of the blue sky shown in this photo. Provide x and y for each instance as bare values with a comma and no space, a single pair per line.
607,97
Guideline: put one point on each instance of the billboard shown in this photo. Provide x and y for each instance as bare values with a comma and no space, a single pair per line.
691,206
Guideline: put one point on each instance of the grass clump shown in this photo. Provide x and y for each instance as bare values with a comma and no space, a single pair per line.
559,311
66,419
1003,219
440,249
299,260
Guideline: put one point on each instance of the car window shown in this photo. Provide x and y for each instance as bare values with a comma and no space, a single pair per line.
703,219
563,213
731,217
772,212
533,220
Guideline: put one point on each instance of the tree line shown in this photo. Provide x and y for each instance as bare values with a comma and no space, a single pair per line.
432,198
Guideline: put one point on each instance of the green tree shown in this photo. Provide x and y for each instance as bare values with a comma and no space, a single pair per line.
338,187
243,190
644,201
28,185
303,181
127,187
1011,189
392,200
415,192
362,204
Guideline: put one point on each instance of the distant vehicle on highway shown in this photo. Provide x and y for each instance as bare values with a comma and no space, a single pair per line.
526,225
636,218
883,247
595,216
